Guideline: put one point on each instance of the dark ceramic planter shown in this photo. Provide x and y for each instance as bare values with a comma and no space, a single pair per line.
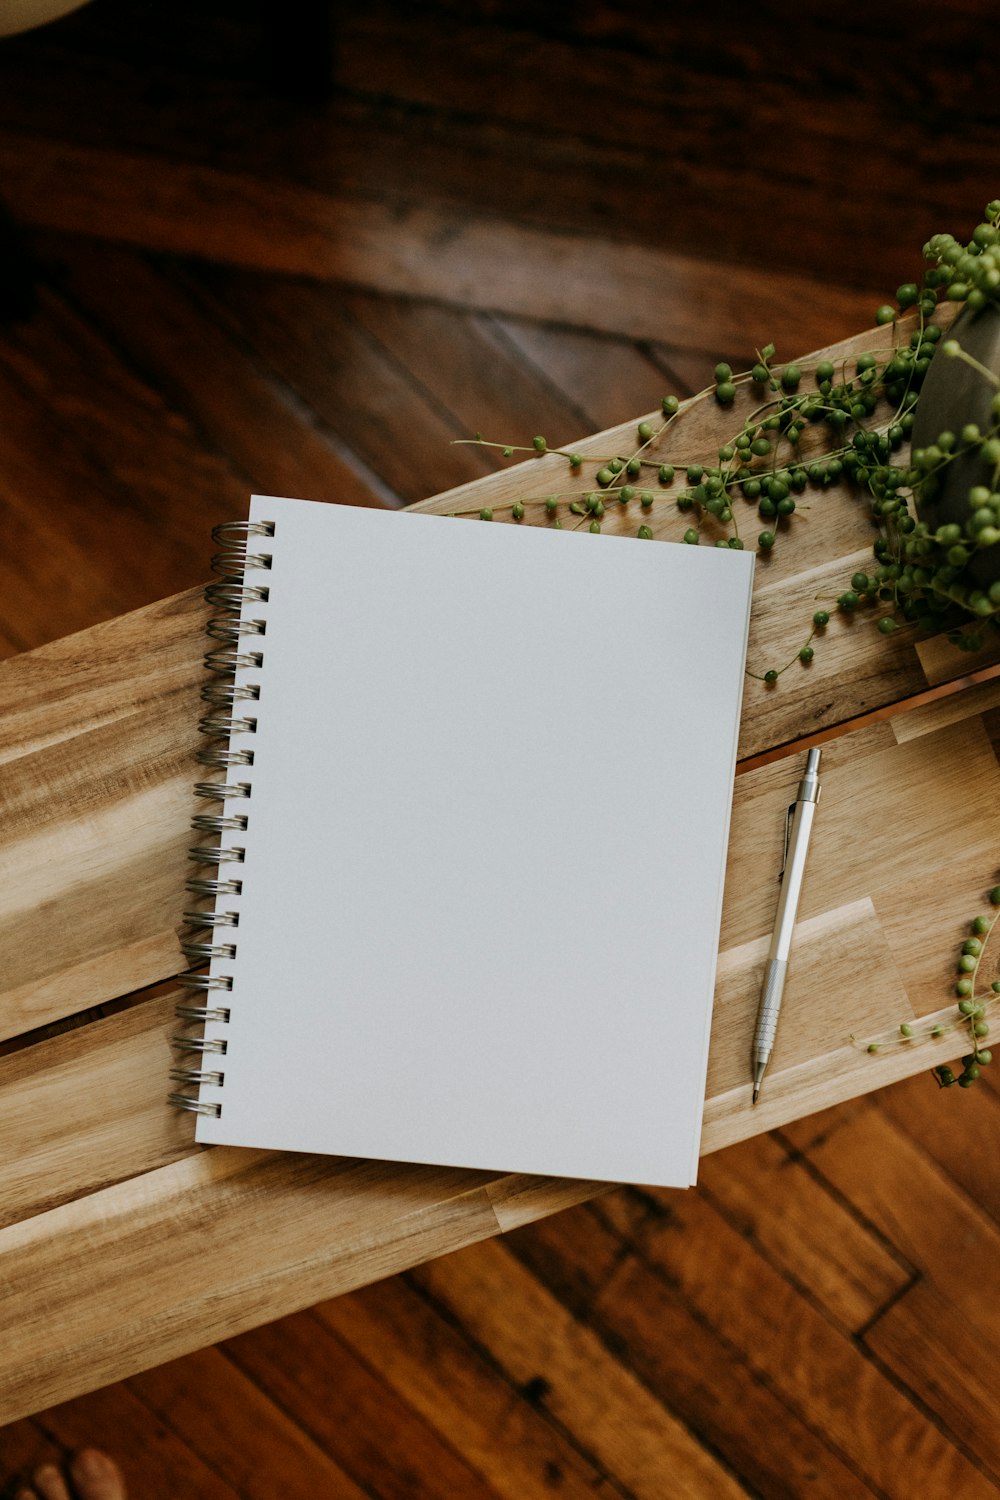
953,395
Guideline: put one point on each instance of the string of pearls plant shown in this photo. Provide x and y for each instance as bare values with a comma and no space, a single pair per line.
920,573
934,573
977,1002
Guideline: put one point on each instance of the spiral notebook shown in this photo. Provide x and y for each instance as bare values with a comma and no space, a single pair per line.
462,890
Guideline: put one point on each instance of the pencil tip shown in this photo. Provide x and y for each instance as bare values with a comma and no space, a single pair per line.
756,1095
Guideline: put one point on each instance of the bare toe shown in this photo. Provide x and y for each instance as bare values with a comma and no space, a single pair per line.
96,1476
50,1484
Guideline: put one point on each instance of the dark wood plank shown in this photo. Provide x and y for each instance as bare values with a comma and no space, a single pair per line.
108,493
362,1423
952,1129
673,152
935,1352
817,1370
609,379
912,1200
148,452
234,1427
282,227
157,1462
437,1368
706,1380
805,1232
76,551
473,369
574,1253
696,1371
688,371
234,403
310,338
564,1369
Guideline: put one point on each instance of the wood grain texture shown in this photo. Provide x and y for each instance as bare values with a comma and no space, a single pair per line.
674,1350
813,1239
300,231
919,1336
311,1220
75,1181
625,120
156,322
192,338
582,1385
379,1435
816,1370
96,787
418,1354
229,1422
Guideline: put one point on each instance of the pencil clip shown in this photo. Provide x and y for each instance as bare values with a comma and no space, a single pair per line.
789,815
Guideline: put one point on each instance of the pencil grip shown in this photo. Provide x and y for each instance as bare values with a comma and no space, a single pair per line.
225,720
770,1005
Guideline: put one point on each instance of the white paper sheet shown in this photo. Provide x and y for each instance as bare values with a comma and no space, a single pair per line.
487,833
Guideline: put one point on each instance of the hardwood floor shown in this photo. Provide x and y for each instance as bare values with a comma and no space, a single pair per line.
514,219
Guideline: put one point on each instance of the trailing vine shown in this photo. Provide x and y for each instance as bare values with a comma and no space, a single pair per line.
815,426
977,1003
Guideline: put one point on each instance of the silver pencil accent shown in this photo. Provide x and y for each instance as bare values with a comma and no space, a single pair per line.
798,828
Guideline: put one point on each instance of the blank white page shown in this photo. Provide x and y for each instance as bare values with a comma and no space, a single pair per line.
486,844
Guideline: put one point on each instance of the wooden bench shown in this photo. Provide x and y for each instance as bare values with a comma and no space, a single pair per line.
123,1244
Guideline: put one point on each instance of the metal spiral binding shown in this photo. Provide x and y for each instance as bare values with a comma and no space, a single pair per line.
222,723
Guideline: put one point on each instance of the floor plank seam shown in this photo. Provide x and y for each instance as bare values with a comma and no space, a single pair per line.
199,1456
801,1288
293,1417
617,1346
801,1157
558,390
660,356
144,376
762,1377
223,316
444,1438
940,1166
393,360
177,270
933,1419
524,1389
861,1333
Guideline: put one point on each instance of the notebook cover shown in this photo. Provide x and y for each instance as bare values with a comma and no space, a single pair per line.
486,844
